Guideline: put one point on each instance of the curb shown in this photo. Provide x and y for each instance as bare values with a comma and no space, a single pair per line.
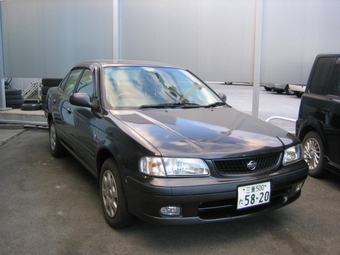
2,143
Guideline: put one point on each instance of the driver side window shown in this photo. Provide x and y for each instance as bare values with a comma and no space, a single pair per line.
86,84
70,83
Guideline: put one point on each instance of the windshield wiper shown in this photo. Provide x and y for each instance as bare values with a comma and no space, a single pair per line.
171,105
214,104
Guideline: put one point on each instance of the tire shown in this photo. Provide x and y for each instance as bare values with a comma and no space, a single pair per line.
314,155
13,92
56,148
30,107
48,82
298,94
14,106
44,90
15,101
43,99
279,91
288,90
113,198
13,97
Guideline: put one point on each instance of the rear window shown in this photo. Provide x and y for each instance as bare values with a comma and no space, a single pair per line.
334,86
320,75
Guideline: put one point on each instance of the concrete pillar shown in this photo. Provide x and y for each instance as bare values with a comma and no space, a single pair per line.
2,85
257,58
116,29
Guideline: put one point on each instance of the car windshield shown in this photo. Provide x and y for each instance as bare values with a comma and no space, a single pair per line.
153,87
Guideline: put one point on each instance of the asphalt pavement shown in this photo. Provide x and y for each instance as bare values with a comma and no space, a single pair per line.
52,206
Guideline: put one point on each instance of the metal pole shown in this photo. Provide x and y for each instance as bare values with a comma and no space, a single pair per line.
116,29
2,86
257,57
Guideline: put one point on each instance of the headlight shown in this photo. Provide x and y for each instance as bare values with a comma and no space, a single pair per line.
158,166
292,154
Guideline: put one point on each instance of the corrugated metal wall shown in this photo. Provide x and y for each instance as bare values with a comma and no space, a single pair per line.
213,38
45,38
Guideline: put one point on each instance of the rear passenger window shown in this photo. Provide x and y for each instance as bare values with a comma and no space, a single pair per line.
320,75
334,86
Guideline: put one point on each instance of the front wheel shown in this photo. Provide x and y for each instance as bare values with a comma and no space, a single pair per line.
314,154
113,198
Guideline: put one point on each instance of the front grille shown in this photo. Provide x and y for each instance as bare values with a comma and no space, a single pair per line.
239,165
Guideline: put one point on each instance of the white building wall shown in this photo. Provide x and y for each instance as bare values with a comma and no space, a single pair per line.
215,38
294,32
45,38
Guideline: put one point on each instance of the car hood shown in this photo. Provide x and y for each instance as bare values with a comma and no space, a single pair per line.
207,133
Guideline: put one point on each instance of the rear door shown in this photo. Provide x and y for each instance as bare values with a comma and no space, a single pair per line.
310,107
330,107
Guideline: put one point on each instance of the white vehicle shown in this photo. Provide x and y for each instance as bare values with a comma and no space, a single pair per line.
298,89
279,88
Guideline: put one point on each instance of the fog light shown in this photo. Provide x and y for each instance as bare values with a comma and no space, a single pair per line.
298,187
171,211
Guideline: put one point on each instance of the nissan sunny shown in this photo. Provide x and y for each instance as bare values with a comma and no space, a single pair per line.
166,148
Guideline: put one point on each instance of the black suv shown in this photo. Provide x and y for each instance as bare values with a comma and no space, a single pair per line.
318,125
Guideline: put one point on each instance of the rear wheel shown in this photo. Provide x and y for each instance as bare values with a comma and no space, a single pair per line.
56,148
314,154
113,198
288,90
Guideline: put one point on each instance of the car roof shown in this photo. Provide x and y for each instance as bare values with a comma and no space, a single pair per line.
113,62
330,54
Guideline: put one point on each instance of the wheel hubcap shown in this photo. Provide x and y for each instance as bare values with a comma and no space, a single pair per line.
109,193
312,153
53,137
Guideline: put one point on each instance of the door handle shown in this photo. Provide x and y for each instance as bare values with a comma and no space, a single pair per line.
325,110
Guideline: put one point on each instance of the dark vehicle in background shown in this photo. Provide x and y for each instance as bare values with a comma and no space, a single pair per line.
167,148
318,124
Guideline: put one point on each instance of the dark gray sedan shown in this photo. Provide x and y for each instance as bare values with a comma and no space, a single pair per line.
167,148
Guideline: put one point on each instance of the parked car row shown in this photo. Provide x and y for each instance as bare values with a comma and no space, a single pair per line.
289,89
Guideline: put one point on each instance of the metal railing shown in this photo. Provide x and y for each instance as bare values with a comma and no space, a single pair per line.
281,118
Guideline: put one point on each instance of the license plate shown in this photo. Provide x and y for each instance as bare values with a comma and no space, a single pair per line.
252,195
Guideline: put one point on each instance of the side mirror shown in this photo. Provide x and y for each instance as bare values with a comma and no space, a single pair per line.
81,99
223,97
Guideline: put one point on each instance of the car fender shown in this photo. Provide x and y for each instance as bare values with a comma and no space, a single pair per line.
317,127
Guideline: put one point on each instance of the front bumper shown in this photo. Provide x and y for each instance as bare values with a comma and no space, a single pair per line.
208,199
